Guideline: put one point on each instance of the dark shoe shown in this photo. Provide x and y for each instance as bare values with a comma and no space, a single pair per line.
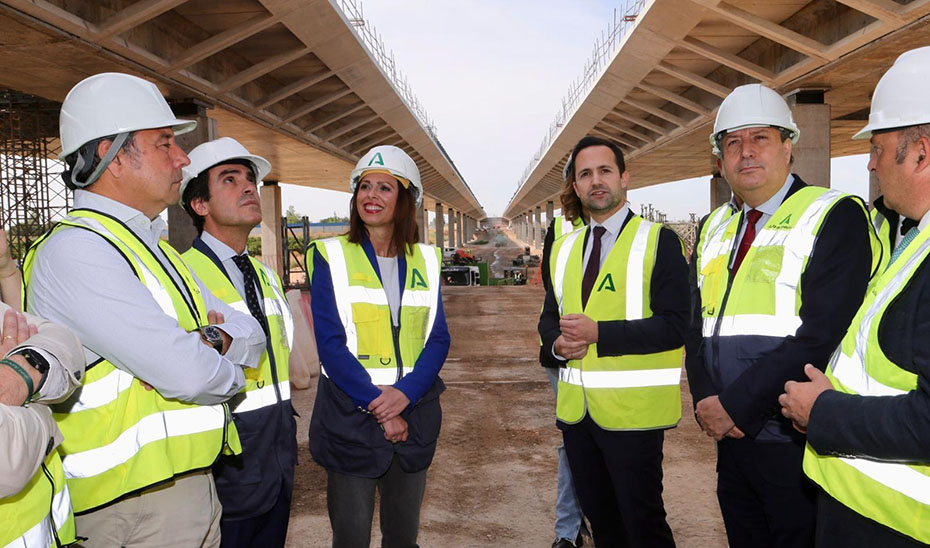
564,543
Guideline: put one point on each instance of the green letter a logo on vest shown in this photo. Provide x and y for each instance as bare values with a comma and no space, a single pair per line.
786,222
376,160
607,284
416,279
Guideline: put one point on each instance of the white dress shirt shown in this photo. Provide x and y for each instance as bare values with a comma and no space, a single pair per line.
79,280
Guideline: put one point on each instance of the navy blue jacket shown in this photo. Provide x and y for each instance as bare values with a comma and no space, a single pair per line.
343,437
248,484
749,372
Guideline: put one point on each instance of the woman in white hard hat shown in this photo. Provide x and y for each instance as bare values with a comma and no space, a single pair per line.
382,339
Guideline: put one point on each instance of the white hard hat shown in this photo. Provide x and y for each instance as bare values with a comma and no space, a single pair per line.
112,103
206,155
752,105
900,99
391,161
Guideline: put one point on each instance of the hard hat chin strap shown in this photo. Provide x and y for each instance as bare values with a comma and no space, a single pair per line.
79,164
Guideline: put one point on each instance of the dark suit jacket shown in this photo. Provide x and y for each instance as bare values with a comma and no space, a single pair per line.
833,285
668,298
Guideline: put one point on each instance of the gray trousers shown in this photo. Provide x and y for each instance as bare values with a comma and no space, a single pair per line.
351,504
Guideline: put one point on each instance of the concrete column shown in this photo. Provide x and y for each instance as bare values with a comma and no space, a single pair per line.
550,211
440,225
272,241
181,231
451,227
537,229
720,192
460,229
812,152
424,224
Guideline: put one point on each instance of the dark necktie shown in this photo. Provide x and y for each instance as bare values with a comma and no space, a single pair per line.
251,296
749,235
593,268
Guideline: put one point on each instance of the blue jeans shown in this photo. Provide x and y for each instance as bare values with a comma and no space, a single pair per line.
568,514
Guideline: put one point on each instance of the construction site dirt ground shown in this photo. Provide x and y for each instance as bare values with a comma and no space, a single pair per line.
493,479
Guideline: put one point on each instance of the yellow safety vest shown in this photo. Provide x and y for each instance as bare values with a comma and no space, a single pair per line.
632,392
894,494
121,438
262,384
40,513
366,315
883,230
764,297
563,226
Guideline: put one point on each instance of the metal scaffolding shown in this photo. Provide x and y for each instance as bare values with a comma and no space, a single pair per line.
32,193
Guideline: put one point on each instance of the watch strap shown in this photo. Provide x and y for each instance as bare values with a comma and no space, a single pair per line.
22,373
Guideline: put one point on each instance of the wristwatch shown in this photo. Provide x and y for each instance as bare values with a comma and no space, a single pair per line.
37,361
214,336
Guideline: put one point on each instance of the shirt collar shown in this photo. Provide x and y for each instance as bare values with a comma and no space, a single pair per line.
773,203
149,229
614,223
223,251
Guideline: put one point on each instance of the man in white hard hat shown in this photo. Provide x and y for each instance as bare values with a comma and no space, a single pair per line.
164,353
220,193
779,281
868,419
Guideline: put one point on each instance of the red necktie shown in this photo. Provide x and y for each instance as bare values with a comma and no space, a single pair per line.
748,236
593,268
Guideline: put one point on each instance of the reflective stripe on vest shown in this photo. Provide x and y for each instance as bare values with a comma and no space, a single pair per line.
347,280
147,439
259,390
37,504
894,494
630,392
773,266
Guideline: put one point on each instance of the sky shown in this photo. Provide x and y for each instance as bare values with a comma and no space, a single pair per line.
492,75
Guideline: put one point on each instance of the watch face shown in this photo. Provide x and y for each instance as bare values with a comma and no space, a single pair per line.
212,335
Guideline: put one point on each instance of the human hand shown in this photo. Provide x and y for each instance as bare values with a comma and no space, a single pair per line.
389,404
15,331
579,327
799,397
735,433
713,418
13,389
569,349
395,429
215,319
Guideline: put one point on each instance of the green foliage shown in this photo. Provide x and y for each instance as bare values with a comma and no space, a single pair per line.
254,246
293,216
334,218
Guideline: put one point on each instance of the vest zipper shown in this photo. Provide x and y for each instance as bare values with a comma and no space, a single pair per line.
395,333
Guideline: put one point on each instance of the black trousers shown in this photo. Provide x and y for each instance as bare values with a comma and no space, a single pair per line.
765,499
351,504
618,479
838,525
268,530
